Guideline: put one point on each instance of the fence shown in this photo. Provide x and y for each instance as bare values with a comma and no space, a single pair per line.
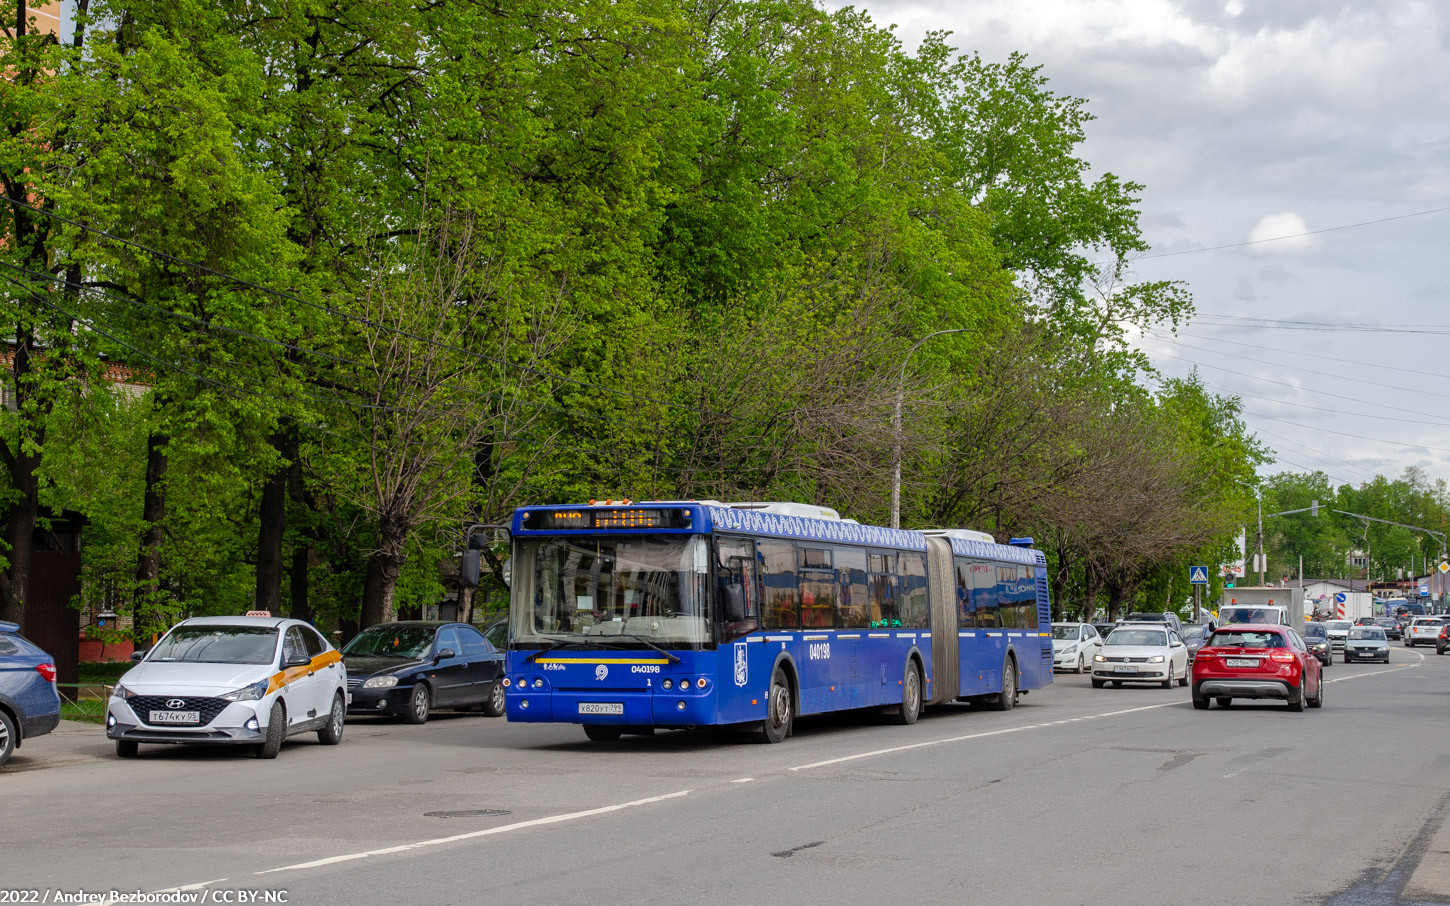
83,701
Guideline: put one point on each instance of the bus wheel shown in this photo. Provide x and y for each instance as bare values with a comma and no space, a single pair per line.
910,708
602,732
776,726
1005,699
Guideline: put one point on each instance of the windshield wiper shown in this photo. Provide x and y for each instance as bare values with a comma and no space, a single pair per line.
558,643
640,638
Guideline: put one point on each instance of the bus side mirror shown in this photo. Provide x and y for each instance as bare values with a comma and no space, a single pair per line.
468,571
732,602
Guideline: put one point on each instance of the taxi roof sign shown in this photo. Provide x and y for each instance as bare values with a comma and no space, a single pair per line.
258,613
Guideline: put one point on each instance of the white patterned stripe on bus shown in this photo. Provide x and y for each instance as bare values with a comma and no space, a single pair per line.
780,638
926,635
906,635
755,638
967,635
854,635
879,635
964,548
809,529
993,635
813,638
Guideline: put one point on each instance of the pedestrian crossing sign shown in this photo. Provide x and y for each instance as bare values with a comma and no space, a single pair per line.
1198,575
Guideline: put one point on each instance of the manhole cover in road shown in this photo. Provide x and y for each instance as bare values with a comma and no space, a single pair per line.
468,813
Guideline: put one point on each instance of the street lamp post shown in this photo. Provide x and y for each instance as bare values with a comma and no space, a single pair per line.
896,423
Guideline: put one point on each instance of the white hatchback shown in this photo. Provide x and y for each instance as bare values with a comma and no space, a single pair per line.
231,680
1141,653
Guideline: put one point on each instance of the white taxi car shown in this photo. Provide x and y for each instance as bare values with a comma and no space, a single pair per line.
231,680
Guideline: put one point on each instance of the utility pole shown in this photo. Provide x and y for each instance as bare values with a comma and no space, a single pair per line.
896,424
1259,557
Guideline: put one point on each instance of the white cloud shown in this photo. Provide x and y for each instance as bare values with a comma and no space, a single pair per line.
1282,234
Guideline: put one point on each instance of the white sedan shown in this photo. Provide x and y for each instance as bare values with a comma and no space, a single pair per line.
1141,654
231,680
1074,645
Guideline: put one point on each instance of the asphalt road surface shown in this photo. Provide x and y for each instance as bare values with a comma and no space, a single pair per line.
1079,795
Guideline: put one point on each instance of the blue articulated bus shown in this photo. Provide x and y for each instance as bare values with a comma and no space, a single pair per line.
630,617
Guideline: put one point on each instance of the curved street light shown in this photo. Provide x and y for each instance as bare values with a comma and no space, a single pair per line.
896,423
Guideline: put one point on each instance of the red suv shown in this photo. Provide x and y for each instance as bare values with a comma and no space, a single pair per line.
1256,661
1442,641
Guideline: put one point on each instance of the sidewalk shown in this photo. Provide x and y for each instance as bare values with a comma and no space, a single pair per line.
73,742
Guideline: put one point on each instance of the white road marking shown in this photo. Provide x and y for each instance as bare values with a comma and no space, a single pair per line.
938,742
1417,654
203,884
743,780
537,822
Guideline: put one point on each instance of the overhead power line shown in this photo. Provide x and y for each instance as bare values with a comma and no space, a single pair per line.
1333,229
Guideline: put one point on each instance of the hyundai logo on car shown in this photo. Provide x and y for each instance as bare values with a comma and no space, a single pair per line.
176,704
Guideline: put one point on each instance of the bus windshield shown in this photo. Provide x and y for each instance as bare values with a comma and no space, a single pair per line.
630,590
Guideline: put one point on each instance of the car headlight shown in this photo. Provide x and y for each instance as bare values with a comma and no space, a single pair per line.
120,691
248,693
380,682
1156,659
1070,649
1099,658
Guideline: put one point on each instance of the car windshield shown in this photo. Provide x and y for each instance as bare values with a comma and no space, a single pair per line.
1337,626
1366,632
1386,622
1426,621
217,645
1313,630
1125,636
648,589
1246,639
391,641
1065,632
1192,633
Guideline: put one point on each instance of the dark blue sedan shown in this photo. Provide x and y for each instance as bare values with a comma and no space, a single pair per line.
29,704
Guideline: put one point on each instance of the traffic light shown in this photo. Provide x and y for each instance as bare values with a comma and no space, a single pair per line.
1229,584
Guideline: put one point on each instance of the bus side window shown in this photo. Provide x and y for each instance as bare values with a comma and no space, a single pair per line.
852,607
915,611
881,582
964,593
737,592
984,595
778,573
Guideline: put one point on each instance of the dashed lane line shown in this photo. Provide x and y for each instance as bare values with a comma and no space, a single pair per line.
438,841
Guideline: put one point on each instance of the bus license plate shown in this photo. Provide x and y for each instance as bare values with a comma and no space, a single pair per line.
601,707
175,717
1240,662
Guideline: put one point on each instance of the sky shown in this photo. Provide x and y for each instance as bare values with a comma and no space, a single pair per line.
1251,120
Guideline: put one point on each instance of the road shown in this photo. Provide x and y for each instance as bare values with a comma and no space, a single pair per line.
1087,796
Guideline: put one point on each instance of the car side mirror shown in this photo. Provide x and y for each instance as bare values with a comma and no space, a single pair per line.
297,660
445,654
138,655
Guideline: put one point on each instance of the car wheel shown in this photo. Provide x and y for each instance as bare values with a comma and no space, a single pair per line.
776,726
331,732
495,705
1081,664
1007,698
1200,704
1098,684
1183,680
276,732
910,708
8,735
418,704
127,748
1296,698
1318,700
1224,701
602,732
1346,659
1117,684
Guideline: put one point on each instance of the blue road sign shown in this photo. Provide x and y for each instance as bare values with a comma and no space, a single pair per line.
1198,575
1340,598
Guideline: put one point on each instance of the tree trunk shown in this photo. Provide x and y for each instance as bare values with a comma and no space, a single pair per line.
1090,596
1115,600
272,525
19,534
301,606
146,614
379,587
465,604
